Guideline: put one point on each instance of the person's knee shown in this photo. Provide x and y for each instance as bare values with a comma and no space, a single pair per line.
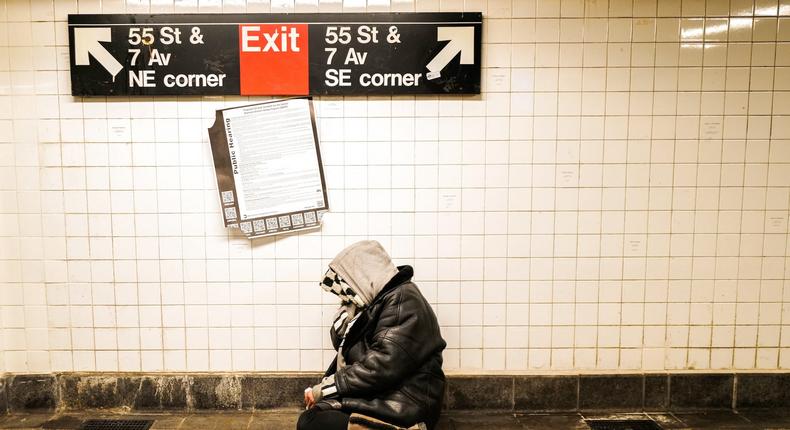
305,418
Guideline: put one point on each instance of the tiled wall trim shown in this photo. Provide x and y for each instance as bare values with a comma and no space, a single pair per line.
534,393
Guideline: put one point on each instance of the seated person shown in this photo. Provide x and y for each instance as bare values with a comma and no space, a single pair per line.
389,349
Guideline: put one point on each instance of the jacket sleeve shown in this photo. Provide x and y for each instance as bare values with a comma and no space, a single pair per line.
407,333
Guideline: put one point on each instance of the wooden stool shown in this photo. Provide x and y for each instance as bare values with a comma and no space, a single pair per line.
364,422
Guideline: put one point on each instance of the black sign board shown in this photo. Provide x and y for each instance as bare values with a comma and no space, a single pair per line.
275,54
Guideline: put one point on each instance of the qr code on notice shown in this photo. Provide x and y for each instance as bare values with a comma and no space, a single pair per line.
271,224
309,217
230,213
259,225
227,197
297,219
246,227
285,221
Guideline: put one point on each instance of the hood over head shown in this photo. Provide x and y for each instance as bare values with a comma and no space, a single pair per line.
366,267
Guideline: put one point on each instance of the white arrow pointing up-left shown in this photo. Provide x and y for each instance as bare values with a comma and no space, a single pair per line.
86,43
462,40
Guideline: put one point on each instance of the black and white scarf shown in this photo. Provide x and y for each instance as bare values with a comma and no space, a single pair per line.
349,310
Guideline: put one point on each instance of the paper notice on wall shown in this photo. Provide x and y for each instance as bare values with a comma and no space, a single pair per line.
268,165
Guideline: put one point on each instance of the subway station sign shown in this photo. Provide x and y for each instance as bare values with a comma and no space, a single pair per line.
275,54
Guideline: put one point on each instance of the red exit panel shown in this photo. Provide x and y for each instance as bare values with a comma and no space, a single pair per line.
273,59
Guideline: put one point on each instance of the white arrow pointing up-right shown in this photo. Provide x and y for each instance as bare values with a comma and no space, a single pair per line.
86,41
462,39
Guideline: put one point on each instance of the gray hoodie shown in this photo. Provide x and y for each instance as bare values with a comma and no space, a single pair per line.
366,267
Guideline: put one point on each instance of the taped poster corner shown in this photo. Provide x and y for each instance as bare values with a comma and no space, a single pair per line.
268,166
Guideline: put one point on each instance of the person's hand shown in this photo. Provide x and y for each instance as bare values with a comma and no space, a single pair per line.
309,401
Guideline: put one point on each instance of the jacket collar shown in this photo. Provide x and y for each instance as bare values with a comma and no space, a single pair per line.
404,275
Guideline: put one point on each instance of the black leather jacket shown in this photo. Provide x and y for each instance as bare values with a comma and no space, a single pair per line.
393,356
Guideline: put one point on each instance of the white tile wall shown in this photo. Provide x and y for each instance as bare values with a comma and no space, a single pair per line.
617,198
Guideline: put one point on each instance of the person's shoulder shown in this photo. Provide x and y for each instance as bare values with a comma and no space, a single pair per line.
400,293
410,288
408,292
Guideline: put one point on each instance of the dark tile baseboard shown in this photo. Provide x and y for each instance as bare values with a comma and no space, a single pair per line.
528,393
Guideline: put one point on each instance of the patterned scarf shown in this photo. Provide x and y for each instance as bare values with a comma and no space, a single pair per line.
347,314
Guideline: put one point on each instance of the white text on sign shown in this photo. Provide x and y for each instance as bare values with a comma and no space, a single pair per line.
365,34
147,36
283,40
